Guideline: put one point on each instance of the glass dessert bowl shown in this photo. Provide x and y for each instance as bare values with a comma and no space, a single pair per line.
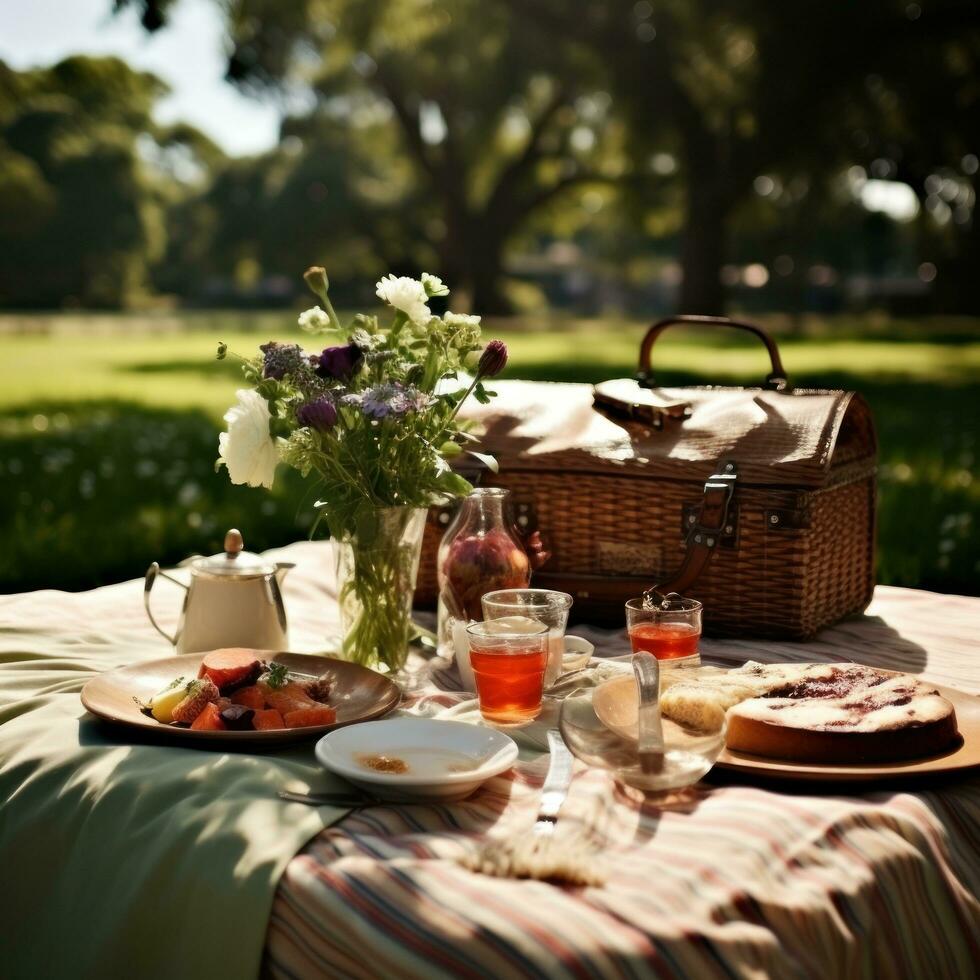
601,726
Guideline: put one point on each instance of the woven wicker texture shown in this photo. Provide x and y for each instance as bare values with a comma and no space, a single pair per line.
613,500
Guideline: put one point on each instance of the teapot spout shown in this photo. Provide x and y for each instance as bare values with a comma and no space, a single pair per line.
282,567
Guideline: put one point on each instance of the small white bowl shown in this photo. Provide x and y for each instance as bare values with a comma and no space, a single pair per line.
447,760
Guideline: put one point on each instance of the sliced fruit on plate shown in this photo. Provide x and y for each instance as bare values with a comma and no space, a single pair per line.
237,717
308,717
209,720
162,705
197,695
233,665
267,720
249,697
286,697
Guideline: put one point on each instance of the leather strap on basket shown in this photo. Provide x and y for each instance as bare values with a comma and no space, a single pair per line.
776,379
706,533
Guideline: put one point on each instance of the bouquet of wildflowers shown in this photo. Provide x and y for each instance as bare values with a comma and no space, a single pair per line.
373,417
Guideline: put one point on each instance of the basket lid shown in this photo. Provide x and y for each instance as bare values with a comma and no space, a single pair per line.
782,438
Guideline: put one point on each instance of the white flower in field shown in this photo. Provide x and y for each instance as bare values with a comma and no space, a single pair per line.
407,295
433,285
247,448
314,321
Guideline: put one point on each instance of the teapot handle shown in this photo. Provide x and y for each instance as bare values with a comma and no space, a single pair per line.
151,575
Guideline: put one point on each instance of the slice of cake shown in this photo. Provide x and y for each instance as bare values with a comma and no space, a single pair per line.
832,713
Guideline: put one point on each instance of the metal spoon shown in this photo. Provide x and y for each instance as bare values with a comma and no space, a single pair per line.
646,668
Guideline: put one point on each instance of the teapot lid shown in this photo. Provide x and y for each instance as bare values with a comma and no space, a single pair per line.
233,560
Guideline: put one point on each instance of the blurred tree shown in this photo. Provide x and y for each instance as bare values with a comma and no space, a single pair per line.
748,88
487,130
923,129
80,221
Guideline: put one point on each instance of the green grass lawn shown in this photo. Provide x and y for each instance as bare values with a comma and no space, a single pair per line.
108,430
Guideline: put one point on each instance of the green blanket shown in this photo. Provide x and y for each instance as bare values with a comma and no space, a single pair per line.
120,858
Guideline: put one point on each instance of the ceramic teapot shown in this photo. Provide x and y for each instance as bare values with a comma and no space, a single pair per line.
234,600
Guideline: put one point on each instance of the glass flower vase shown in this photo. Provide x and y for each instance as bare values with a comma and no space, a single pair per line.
376,572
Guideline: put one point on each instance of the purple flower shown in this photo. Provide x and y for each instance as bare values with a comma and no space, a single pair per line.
492,360
320,414
412,400
390,399
379,402
340,362
281,359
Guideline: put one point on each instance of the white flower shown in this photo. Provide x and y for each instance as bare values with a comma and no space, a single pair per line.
460,320
247,448
433,285
407,295
314,321
462,329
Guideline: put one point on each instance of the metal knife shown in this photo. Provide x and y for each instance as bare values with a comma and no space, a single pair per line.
350,799
556,783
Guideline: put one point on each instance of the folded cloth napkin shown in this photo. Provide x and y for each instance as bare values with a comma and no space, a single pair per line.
566,855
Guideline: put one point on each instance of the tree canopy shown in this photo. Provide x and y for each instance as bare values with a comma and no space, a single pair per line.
81,211
465,135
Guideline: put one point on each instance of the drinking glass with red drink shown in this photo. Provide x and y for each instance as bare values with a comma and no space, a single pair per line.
670,628
508,659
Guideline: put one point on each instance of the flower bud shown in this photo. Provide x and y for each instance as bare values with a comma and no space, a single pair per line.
222,350
493,359
320,414
316,279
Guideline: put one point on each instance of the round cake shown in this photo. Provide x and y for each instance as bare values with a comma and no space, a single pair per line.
830,713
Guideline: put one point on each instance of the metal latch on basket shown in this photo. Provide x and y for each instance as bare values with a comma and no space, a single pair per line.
729,533
713,519
707,531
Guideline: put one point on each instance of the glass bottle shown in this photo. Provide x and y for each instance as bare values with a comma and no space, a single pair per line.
480,552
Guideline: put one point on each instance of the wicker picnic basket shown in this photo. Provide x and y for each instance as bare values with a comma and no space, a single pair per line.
760,502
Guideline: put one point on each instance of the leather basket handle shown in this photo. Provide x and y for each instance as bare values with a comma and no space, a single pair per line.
776,379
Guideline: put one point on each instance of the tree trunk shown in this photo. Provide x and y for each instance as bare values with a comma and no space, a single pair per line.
485,278
471,260
703,245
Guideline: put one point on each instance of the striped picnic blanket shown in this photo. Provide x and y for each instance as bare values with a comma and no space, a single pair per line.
727,879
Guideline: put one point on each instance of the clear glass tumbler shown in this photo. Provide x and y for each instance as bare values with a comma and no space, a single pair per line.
518,607
670,629
508,665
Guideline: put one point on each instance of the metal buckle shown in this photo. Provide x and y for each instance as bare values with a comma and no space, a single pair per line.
718,490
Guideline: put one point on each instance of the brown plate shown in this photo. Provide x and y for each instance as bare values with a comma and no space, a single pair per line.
358,694
963,756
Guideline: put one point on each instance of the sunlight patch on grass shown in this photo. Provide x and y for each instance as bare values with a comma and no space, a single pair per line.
151,361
